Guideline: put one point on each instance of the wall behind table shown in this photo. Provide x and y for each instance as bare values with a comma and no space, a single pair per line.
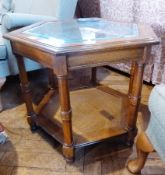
145,11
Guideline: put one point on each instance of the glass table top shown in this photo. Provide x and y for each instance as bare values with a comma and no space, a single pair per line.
81,31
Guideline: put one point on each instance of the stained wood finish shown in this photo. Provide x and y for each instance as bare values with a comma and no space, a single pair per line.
52,79
66,116
40,154
90,105
143,147
134,98
25,87
97,100
146,38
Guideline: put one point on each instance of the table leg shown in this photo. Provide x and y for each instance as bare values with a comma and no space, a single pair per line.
25,87
66,114
94,76
52,81
134,97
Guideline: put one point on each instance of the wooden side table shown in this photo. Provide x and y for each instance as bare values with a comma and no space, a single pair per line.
85,116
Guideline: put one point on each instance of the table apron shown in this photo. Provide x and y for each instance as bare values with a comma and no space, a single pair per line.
35,54
103,58
79,60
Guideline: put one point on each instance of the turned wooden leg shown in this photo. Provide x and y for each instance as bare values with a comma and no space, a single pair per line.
66,114
94,76
52,81
143,147
134,97
2,81
25,87
132,72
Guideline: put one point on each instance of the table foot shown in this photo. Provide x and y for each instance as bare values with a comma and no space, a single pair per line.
32,124
68,152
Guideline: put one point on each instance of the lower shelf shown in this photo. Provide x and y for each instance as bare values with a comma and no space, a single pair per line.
97,114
